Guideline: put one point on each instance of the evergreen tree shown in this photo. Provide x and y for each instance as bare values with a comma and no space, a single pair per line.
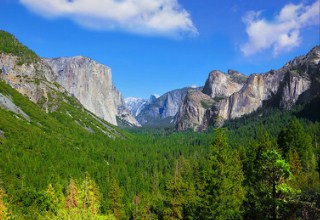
181,198
116,206
223,192
90,195
53,199
294,138
275,172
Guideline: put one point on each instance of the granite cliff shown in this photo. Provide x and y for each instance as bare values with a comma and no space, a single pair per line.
159,111
234,95
91,83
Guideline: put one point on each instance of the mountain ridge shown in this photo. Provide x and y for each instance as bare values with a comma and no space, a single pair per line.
298,81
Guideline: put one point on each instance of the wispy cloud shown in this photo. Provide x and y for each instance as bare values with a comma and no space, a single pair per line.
153,17
283,32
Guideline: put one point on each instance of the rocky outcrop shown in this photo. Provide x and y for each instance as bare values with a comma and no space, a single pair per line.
6,103
221,85
34,80
163,109
282,88
91,83
195,112
298,82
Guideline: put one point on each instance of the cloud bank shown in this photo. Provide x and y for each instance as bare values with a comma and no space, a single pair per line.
283,32
151,17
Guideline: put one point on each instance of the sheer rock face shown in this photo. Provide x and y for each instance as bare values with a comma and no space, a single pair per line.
160,109
34,80
220,84
91,83
297,82
195,112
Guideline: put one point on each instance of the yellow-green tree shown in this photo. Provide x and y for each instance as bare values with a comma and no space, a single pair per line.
114,200
90,195
4,212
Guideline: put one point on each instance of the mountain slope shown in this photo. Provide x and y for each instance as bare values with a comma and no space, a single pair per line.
91,83
298,82
35,80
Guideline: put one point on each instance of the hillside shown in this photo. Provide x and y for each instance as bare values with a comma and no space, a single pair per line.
60,161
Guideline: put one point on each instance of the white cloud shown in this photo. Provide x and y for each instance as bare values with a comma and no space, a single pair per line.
283,32
154,17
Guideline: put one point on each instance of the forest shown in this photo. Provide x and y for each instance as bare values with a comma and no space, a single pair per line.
262,166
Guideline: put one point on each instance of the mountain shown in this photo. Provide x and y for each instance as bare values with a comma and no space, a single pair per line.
233,95
195,111
135,105
91,83
31,99
159,111
221,85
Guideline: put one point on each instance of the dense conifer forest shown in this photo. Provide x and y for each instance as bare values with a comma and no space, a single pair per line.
265,168
262,166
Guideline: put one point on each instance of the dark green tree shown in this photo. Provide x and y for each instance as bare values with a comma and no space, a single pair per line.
181,198
275,172
294,138
223,191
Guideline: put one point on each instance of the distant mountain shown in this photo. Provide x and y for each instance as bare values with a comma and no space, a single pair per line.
158,111
232,95
135,105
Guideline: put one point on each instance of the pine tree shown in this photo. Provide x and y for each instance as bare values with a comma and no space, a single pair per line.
223,192
181,195
53,199
274,183
116,206
296,139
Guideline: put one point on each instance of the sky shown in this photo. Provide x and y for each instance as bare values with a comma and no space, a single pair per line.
154,46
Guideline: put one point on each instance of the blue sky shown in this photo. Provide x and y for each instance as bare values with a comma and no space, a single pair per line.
154,46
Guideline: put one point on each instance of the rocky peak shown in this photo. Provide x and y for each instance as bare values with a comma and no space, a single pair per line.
162,110
135,105
33,79
195,112
235,95
153,98
295,82
222,85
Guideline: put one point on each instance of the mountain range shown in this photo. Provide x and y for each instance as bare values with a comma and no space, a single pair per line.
224,96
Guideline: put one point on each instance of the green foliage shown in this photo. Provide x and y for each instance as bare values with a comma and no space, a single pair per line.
115,195
68,164
223,193
10,45
294,138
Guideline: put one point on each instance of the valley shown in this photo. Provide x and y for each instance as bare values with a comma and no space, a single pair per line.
238,147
